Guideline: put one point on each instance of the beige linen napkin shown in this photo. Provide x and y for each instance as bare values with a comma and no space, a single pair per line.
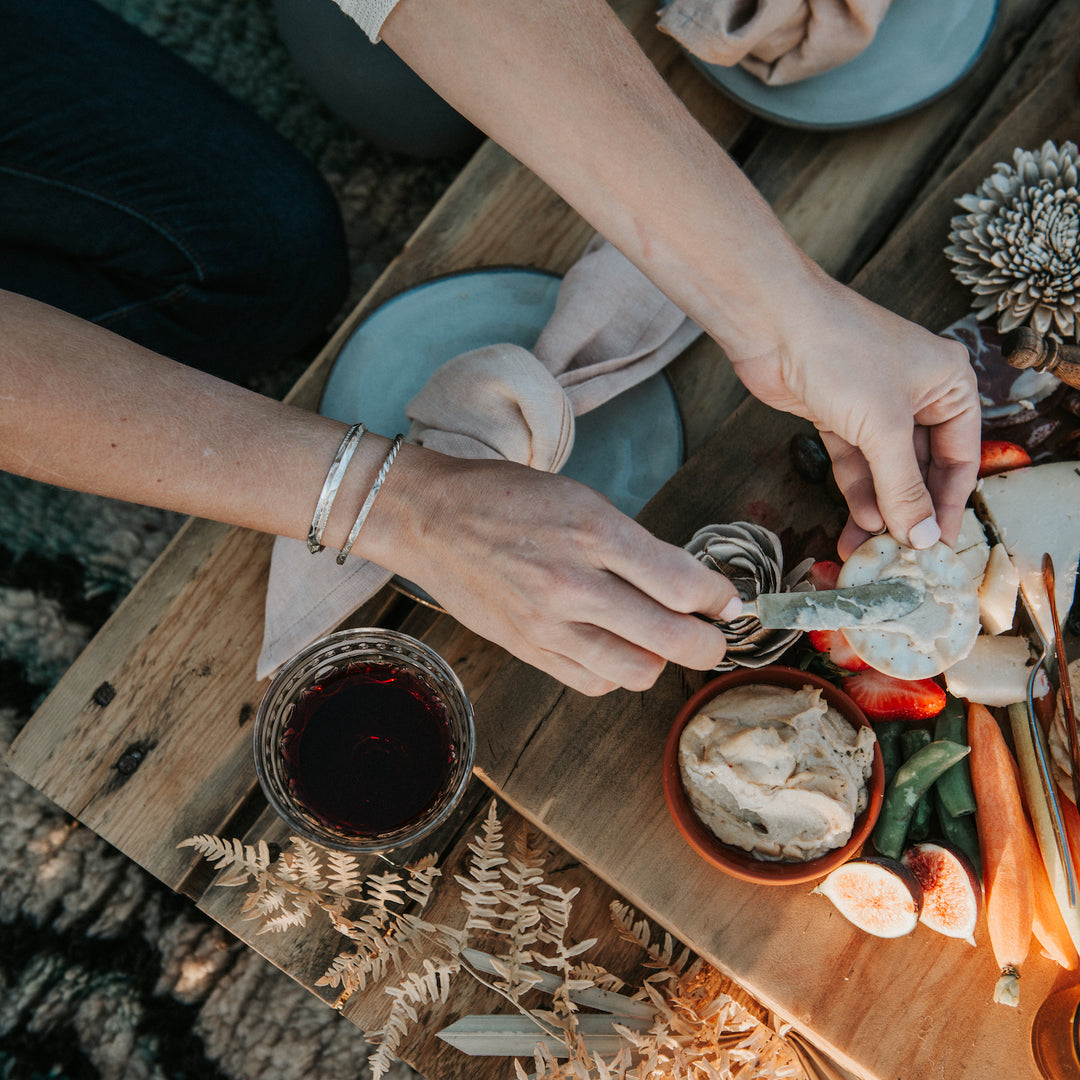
779,41
611,329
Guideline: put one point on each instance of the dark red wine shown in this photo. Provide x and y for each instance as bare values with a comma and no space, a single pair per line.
368,750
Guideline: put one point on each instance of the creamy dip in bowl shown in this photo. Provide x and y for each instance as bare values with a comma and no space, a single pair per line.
773,775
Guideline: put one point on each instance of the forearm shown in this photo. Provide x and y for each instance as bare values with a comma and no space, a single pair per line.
538,563
85,409
563,86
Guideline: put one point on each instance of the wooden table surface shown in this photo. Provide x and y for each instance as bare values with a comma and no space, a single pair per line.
873,207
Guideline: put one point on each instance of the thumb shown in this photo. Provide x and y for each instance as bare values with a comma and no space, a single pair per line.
902,495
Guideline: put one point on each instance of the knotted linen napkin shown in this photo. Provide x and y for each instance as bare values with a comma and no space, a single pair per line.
779,41
611,329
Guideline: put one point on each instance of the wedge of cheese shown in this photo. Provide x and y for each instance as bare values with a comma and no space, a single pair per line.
995,672
971,547
1032,511
997,592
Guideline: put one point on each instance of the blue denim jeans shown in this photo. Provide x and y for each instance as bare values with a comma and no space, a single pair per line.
138,195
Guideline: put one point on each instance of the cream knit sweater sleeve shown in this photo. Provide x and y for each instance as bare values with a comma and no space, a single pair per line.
369,15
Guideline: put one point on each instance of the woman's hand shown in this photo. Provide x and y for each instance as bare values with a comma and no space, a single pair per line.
897,408
550,570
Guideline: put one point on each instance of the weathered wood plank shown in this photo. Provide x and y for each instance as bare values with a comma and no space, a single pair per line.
1029,47
915,278
839,193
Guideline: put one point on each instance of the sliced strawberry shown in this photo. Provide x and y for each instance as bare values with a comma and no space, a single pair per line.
883,697
823,575
1000,456
836,645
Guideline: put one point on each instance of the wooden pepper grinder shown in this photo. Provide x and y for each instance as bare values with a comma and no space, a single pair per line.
1027,348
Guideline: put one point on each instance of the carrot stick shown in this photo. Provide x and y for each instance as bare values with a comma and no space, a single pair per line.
1005,851
1048,924
1049,880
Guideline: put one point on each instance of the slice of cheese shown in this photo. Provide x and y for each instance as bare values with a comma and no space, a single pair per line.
1036,510
972,533
971,546
997,592
995,672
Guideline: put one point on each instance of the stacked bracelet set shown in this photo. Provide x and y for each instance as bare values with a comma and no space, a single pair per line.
334,476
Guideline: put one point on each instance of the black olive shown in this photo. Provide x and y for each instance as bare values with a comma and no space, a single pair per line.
809,457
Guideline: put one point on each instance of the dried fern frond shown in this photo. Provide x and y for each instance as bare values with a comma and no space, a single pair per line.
421,881
699,1032
353,971
342,873
297,915
555,906
221,852
622,916
482,885
661,958
521,918
600,977
302,863
417,988
369,931
487,848
266,899
385,890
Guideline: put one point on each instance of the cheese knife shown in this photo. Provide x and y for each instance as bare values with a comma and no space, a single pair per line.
837,609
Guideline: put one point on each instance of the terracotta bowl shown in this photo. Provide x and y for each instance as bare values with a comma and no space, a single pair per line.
733,860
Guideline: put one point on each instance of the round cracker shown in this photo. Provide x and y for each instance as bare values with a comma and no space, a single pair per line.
940,631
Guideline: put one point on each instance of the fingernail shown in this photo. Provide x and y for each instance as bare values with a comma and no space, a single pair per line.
732,611
925,533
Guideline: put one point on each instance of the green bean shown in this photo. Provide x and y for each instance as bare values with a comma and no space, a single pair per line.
911,781
959,832
888,737
913,739
954,785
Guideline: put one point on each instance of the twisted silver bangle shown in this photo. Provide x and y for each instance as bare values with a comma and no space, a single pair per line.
330,487
366,508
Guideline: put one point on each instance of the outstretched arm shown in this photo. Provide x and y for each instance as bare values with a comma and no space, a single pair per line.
538,563
564,87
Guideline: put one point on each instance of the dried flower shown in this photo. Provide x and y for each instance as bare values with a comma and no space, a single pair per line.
751,557
682,1021
1016,244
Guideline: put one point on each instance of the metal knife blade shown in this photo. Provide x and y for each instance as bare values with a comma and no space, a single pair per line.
837,609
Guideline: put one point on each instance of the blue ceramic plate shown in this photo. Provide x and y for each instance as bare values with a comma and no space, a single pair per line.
627,449
921,48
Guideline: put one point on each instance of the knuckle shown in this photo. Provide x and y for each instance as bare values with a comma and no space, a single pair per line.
643,675
594,686
911,498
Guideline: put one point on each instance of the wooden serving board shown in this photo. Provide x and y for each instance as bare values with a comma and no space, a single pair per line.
588,772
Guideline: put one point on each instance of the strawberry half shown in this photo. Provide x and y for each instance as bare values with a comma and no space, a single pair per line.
999,456
836,645
883,697
823,575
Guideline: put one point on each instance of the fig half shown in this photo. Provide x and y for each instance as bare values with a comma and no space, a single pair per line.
876,894
952,894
